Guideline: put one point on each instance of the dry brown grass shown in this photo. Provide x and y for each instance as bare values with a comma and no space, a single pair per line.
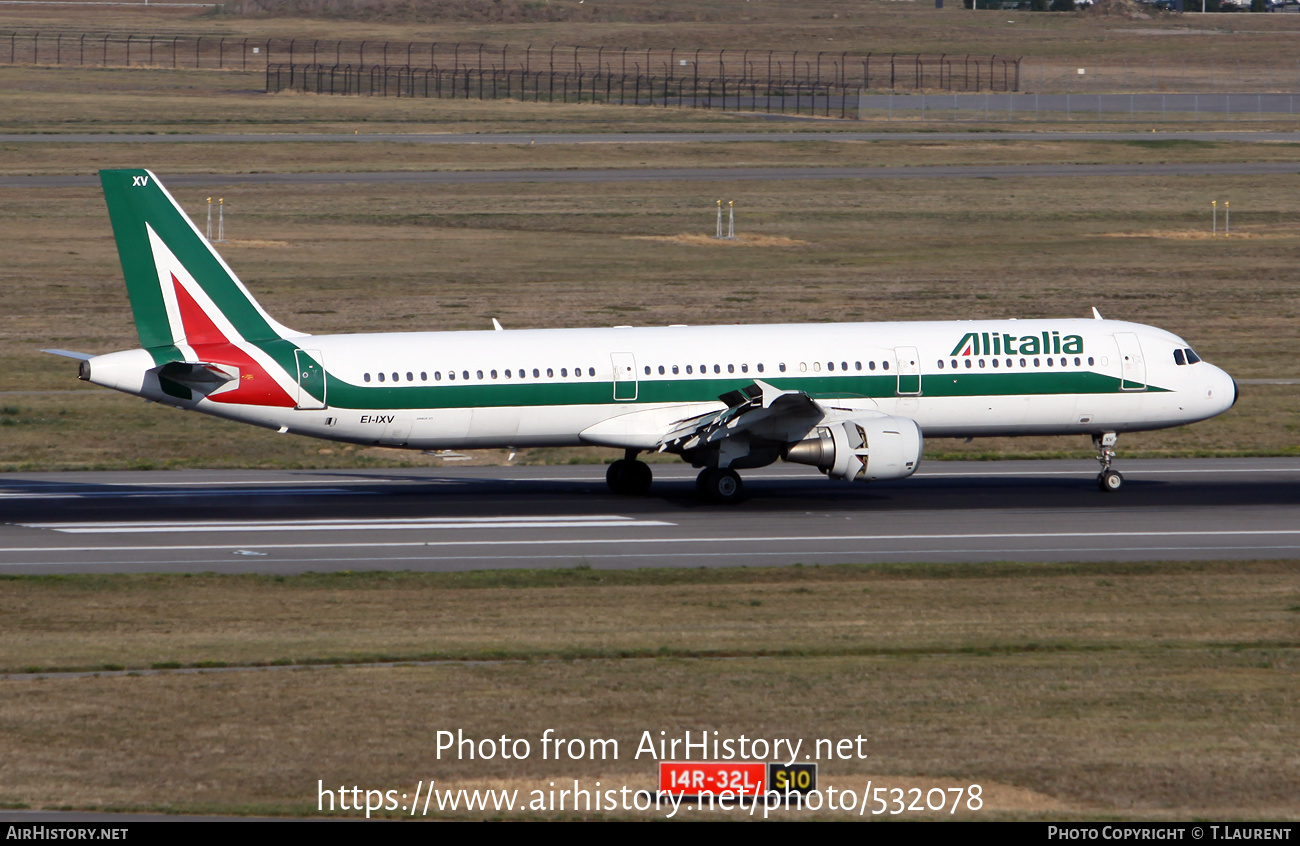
193,620
413,257
1147,691
690,240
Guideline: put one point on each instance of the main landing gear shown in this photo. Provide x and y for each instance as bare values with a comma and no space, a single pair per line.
719,484
1108,480
629,477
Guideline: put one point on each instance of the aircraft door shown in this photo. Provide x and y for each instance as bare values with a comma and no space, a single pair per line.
625,385
1133,368
909,371
311,379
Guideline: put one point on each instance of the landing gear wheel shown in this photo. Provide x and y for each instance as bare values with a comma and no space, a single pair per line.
1108,480
720,485
629,477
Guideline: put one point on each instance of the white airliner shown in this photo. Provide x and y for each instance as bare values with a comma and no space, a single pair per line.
852,399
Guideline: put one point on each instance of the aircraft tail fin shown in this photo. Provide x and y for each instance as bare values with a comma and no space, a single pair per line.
181,290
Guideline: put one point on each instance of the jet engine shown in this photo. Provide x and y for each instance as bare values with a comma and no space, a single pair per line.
864,450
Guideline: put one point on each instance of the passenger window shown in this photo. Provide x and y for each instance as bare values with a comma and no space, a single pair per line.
830,365
884,365
857,365
717,368
564,372
1049,362
968,364
688,370
982,363
1090,361
871,365
803,367
367,377
437,375
744,368
1077,361
381,377
550,374
1008,362
674,370
995,362
844,365
409,376
781,367
731,368
451,376
817,367
507,374
1036,363
954,364
424,377
760,367
494,374
940,364
1022,362
536,373
661,370
647,370
465,375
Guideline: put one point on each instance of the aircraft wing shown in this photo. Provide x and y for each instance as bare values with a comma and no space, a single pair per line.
754,407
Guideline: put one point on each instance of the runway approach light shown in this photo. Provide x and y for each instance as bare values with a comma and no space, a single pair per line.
731,221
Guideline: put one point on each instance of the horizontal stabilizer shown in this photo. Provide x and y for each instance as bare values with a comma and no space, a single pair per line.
70,354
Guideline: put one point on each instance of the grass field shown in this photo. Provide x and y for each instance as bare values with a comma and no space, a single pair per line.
399,257
1075,691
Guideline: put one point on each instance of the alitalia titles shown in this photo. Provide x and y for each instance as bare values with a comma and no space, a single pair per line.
994,343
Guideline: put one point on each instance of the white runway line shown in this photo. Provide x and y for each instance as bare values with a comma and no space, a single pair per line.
804,539
179,492
386,524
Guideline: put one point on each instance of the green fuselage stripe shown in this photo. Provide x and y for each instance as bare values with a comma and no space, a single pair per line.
502,393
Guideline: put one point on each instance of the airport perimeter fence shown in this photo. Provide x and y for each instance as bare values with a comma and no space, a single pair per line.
793,97
878,71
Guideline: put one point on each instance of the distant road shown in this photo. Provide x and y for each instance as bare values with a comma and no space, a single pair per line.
525,139
702,174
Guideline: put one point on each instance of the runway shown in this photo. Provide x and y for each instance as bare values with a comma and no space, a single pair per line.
463,518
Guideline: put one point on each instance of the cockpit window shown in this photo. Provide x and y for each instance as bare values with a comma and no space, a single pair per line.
1192,357
1178,357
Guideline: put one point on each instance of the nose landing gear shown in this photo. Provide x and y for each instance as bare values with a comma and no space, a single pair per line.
1108,480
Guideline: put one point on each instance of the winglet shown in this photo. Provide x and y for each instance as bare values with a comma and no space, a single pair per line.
1096,315
496,324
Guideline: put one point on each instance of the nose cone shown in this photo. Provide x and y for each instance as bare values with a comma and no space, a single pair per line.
1221,390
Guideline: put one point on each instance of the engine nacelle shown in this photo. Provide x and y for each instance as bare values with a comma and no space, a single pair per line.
864,450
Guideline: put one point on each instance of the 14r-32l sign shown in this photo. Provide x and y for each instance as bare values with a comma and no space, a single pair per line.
704,778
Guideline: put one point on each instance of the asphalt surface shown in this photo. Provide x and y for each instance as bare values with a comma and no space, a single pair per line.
459,518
